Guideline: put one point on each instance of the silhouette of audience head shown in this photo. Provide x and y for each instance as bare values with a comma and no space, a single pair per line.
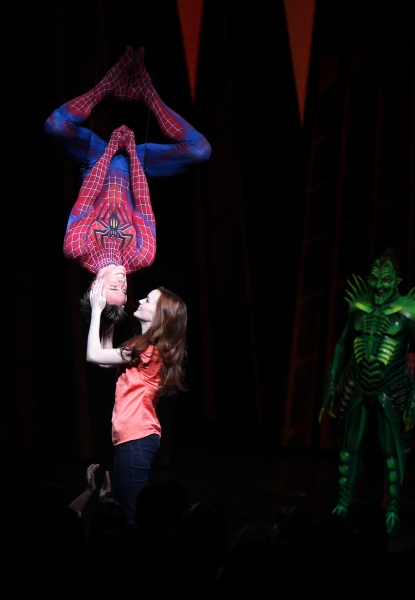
199,545
42,500
250,566
293,522
108,515
159,506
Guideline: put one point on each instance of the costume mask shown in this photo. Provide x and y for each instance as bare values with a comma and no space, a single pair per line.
383,281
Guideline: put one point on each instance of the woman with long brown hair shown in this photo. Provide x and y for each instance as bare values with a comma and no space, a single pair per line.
150,365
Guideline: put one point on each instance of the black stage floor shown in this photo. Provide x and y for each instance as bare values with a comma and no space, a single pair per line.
249,486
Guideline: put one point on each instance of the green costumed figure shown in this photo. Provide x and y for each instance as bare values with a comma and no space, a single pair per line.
369,375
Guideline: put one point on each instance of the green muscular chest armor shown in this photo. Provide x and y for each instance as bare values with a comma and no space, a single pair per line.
380,338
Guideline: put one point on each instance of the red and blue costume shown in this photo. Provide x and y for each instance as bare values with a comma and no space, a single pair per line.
112,221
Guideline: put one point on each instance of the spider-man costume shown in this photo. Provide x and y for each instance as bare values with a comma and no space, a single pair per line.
112,221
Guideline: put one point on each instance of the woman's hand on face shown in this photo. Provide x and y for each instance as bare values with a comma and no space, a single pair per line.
97,296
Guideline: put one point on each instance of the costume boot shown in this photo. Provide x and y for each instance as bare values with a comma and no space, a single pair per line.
350,469
393,503
141,89
114,83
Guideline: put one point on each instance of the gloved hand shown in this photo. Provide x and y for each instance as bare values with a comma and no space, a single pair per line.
328,398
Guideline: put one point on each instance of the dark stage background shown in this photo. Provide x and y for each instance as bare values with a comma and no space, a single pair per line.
310,111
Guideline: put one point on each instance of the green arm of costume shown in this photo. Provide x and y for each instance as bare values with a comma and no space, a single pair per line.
340,357
409,414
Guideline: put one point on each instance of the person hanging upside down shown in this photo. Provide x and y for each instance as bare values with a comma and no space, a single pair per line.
111,230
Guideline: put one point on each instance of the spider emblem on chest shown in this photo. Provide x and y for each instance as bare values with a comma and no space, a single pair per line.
114,225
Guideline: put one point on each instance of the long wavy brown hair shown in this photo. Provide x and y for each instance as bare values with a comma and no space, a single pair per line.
168,334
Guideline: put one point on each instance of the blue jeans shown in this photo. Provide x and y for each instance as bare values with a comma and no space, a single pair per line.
132,464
